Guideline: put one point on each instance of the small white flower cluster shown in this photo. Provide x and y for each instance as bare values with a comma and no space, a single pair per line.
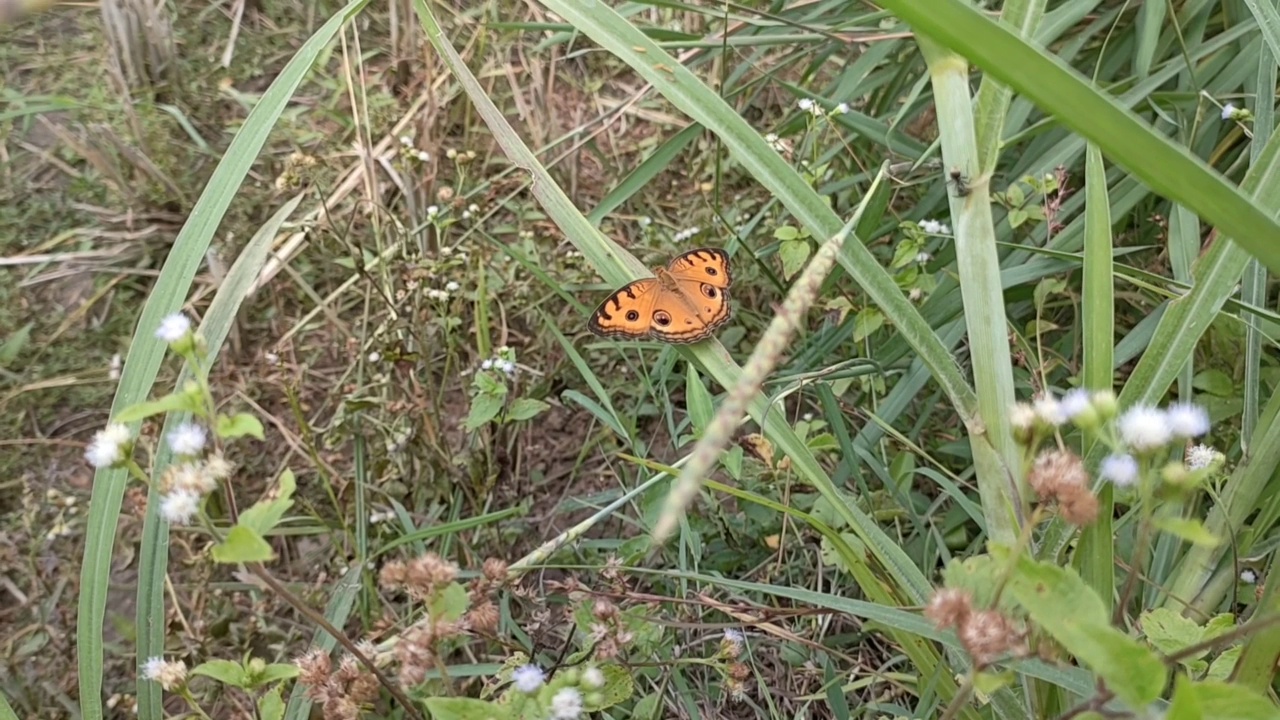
778,144
174,327
471,211
420,155
443,294
686,234
1228,111
506,367
567,702
378,517
810,107
110,446
170,674
933,227
433,212
1140,431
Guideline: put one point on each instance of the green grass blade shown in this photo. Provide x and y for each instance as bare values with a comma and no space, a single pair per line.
1167,168
146,351
345,592
1095,555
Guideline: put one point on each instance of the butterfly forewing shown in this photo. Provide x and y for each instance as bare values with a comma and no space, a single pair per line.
627,312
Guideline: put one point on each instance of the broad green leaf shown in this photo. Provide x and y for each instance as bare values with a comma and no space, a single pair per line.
1067,609
277,671
1214,382
525,409
271,705
451,603
1169,631
224,671
174,402
1224,701
484,408
619,686
794,254
465,709
868,321
239,425
697,399
265,514
1191,530
242,545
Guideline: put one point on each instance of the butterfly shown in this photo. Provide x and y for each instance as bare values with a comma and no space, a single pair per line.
685,302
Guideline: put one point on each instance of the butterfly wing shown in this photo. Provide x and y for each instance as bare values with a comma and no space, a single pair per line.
628,313
697,300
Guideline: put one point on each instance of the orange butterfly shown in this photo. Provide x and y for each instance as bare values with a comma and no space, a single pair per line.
686,301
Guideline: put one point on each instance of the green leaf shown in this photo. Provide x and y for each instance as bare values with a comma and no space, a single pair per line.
175,402
242,545
525,409
794,253
484,408
271,705
1188,529
619,686
465,709
265,514
1214,382
451,603
15,344
1168,631
1218,701
1059,601
277,671
697,399
786,232
867,322
224,671
239,425
1223,665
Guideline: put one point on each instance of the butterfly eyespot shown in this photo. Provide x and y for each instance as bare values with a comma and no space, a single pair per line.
661,318
709,291
712,271
632,316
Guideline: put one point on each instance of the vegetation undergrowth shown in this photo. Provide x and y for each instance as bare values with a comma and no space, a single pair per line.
991,433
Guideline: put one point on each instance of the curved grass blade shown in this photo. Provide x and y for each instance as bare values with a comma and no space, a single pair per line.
146,351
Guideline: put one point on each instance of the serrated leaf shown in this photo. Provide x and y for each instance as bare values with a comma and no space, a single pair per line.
1168,631
1070,611
242,545
1219,701
867,322
174,402
794,254
265,514
618,687
1188,529
270,705
224,671
239,425
525,409
484,408
451,603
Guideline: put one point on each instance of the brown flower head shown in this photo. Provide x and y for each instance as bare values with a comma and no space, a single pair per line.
987,634
949,607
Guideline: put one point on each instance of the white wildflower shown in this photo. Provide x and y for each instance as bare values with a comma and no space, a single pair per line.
451,286
1228,111
1144,428
170,675
178,507
566,704
108,444
1186,420
1075,402
528,678
1122,470
1201,456
593,678
187,439
174,327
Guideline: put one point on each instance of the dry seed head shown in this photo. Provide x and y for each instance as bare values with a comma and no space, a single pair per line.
1079,508
604,610
341,707
393,575
495,570
314,667
949,607
986,635
428,574
483,618
1057,473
